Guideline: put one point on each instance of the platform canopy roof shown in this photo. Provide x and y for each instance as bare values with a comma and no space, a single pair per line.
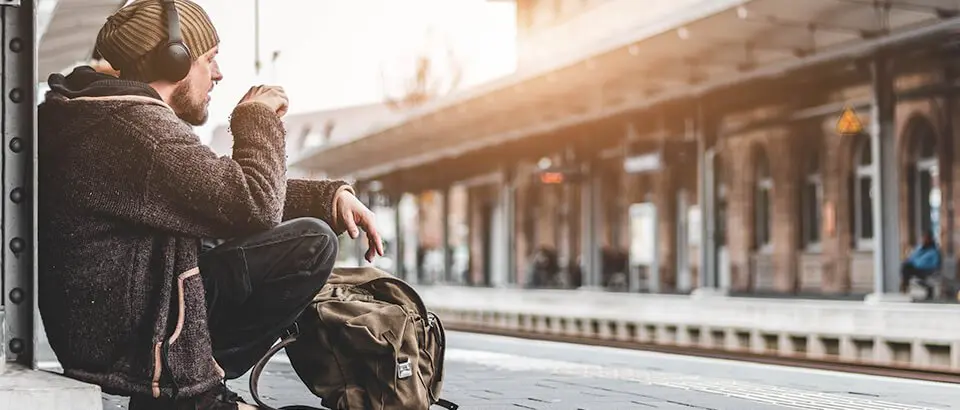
731,42
68,31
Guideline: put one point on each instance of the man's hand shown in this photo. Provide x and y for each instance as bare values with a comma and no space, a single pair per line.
271,95
353,214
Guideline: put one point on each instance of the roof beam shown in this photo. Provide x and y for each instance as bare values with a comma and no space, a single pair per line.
745,14
910,5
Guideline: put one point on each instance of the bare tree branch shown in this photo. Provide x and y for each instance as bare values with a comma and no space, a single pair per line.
427,82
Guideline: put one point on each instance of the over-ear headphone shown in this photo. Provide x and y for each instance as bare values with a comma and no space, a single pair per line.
173,58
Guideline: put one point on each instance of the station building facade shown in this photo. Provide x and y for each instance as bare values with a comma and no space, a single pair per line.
756,147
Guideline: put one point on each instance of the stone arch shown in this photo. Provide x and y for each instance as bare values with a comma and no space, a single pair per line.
920,180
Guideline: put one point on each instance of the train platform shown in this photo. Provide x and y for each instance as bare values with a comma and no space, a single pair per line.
496,372
874,332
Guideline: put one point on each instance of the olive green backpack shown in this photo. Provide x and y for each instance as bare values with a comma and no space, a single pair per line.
366,341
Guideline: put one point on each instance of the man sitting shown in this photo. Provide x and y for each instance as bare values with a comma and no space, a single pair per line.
923,262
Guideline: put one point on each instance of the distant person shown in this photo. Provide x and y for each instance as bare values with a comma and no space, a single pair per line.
130,297
923,262
543,268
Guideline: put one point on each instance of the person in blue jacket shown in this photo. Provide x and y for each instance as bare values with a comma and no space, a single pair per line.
923,262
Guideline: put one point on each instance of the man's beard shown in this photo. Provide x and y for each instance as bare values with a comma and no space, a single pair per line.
193,112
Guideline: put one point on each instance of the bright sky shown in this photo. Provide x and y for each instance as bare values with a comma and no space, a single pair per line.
332,52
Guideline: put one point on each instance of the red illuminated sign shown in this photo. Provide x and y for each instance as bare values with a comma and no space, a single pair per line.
551,178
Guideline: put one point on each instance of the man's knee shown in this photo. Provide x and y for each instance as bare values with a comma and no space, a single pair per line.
319,242
309,227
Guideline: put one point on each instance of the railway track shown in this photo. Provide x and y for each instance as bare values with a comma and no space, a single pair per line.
898,371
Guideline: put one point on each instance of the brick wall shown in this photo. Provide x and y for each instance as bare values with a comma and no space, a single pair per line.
835,268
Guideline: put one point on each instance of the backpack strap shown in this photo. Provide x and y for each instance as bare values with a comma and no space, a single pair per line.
290,336
447,404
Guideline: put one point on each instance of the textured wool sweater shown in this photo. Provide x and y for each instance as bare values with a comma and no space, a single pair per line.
126,191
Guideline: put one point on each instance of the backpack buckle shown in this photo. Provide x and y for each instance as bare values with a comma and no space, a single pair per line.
404,369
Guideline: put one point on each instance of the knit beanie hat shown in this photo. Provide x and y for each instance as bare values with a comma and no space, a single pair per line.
129,37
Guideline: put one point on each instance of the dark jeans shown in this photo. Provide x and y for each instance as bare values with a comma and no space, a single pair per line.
908,271
258,285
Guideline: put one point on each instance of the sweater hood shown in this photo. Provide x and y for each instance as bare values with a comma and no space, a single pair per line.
84,81
85,99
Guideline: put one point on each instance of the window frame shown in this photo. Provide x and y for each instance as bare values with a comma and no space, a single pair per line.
862,172
763,188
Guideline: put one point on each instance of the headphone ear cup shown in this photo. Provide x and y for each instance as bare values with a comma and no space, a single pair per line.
175,62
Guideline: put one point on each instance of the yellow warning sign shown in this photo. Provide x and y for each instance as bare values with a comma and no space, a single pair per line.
849,122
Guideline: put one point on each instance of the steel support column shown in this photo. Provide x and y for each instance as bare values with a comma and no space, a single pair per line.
590,259
445,236
509,218
886,201
19,185
950,104
399,268
706,185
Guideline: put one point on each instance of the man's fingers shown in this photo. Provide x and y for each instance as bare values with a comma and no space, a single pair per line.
376,244
350,225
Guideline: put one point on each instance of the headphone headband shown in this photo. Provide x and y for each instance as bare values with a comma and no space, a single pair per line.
173,21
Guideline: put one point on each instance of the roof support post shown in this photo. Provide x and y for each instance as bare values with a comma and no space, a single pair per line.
886,201
590,260
508,201
445,235
398,245
19,132
707,204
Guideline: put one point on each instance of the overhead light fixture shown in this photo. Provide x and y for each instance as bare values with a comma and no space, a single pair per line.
545,163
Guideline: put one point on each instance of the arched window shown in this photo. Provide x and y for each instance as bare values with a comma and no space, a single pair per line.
811,197
863,194
762,204
923,182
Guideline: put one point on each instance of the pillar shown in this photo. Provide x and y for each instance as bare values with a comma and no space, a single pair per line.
590,186
665,198
476,198
836,232
707,199
886,201
739,162
445,236
398,238
524,226
785,218
507,243
950,177
19,183
569,232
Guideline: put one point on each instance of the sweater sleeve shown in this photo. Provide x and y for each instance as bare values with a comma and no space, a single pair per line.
315,199
192,191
